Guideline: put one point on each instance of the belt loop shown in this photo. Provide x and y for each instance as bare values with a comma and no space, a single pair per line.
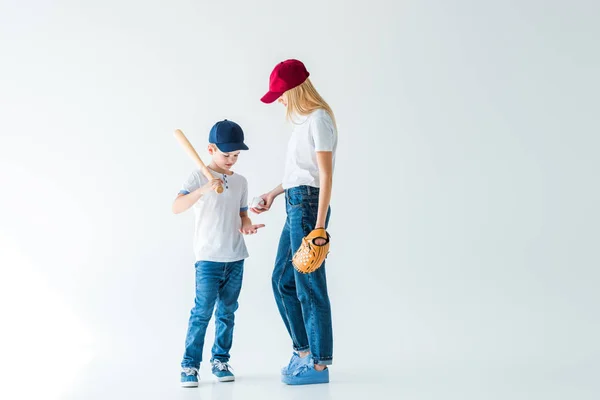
308,190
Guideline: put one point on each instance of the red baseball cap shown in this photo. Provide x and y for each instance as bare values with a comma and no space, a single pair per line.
285,76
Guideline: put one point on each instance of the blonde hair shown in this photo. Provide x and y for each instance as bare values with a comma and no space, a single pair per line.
304,99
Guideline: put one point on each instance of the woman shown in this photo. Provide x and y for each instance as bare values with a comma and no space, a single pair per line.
302,299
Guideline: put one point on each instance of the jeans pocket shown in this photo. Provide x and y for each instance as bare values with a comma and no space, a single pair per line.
309,216
294,199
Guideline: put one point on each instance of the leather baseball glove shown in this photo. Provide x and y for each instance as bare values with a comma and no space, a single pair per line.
310,256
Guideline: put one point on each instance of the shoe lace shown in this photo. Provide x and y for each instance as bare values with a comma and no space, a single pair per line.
301,369
190,371
222,366
295,356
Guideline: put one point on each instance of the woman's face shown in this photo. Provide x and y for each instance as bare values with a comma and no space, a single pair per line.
283,100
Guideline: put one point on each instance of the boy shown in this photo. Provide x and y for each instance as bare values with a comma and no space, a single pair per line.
221,220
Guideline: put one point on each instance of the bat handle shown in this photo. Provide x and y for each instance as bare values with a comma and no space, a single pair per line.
210,177
189,149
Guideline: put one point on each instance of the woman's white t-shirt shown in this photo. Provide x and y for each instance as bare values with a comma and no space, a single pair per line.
312,133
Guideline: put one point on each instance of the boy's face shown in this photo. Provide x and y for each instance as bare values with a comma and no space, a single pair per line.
223,160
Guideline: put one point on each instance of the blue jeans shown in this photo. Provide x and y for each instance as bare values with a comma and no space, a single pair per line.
302,299
219,283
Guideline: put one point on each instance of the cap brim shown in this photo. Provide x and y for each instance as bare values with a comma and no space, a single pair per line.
229,147
270,97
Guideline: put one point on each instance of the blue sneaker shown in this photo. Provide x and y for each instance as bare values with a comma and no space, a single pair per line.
295,362
189,377
222,371
306,374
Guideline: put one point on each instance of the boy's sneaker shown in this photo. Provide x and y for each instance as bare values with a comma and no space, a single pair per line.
189,377
295,362
222,371
306,374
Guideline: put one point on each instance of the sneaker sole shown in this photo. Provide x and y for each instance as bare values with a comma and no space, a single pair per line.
290,380
226,379
189,384
304,383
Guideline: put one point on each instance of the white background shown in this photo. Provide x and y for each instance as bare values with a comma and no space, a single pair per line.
465,225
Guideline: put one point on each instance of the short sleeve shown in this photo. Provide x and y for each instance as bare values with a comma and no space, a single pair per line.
244,199
322,131
191,184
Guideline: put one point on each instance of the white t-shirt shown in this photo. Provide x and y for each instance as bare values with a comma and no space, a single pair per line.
312,133
217,237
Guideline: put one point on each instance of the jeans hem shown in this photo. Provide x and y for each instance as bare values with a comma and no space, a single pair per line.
323,361
303,348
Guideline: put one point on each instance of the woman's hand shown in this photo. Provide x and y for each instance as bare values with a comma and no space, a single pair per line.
320,241
266,206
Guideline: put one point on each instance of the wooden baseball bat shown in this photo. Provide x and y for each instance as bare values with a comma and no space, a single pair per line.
189,149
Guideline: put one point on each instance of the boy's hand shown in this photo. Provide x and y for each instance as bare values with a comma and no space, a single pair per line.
268,199
249,229
211,185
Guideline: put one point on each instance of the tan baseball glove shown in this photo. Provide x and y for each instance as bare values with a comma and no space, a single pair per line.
310,256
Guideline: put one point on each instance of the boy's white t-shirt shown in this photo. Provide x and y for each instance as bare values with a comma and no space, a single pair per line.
312,133
217,237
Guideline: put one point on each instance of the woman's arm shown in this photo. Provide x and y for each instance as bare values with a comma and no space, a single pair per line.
325,163
276,192
268,198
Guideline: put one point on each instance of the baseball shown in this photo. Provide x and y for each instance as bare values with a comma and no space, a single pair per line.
256,202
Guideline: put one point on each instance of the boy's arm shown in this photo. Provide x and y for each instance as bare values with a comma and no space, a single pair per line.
184,201
247,227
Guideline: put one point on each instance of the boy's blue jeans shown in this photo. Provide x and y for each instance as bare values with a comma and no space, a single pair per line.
216,283
302,299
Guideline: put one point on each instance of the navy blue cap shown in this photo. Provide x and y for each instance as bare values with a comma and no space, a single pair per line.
227,136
